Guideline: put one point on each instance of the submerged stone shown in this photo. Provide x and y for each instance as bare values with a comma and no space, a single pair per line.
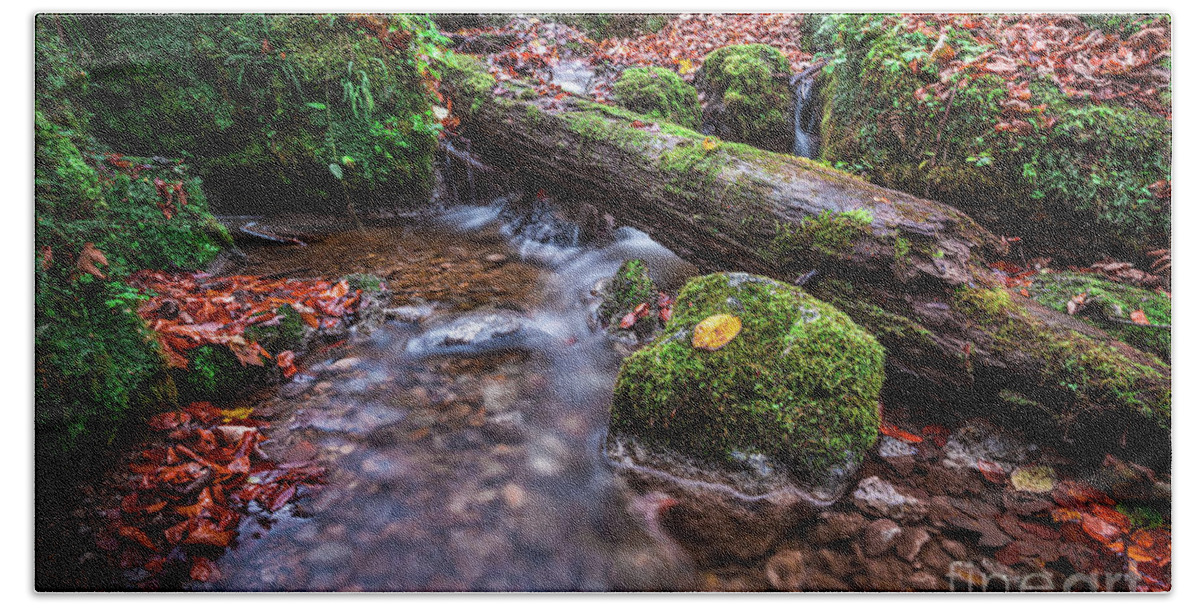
798,389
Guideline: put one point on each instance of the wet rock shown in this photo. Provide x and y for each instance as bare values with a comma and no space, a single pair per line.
910,543
496,258
890,447
836,526
925,581
785,571
415,313
716,515
883,574
877,497
984,441
478,331
508,427
954,548
879,536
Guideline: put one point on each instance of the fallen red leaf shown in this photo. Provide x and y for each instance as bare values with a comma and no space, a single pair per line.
1139,317
992,472
203,570
898,433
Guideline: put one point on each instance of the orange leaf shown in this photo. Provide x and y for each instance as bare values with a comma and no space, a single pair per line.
1099,529
709,145
894,431
715,332
1139,317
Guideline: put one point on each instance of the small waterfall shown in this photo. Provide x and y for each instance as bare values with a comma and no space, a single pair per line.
806,118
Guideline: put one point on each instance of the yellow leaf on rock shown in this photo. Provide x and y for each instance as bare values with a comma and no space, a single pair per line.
715,332
709,145
239,413
1033,479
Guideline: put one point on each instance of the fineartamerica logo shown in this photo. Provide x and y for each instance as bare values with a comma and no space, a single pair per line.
966,576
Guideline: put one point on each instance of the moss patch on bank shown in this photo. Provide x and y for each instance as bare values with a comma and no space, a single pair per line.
1078,170
1110,308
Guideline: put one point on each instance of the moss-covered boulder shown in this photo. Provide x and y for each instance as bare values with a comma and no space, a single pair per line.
659,93
797,387
1108,306
269,108
1083,178
747,95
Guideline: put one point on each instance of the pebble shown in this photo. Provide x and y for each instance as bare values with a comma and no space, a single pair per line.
910,542
496,258
513,495
836,526
879,536
508,427
877,497
344,364
786,571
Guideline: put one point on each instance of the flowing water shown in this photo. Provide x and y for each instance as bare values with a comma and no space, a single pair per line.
806,118
464,448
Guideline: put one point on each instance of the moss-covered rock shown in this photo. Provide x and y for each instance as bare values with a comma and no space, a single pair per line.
799,384
747,95
301,105
1109,307
659,93
628,288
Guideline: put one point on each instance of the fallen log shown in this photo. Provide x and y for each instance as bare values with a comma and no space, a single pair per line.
912,271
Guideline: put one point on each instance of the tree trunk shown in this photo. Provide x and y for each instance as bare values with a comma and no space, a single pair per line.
912,271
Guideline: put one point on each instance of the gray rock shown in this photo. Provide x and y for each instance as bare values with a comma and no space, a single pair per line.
877,497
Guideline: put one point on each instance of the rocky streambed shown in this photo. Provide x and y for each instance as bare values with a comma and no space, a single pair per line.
464,442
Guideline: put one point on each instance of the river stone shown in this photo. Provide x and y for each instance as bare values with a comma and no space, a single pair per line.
877,497
476,331
879,536
795,391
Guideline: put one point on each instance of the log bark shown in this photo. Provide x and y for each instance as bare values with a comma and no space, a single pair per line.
912,271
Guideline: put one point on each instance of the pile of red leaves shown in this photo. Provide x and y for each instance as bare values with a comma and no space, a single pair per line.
183,498
533,52
686,39
193,309
1085,63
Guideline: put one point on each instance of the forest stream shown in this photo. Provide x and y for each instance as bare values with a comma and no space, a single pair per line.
463,443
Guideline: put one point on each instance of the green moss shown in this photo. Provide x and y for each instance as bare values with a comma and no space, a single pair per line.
630,286
658,93
1091,167
1086,373
829,233
215,374
986,304
1112,300
1142,516
749,95
288,334
98,366
368,283
799,383
319,92
901,248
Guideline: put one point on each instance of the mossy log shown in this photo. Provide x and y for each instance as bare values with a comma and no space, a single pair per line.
912,271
